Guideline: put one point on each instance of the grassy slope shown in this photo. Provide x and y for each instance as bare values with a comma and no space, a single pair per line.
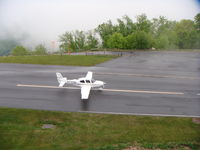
57,60
21,129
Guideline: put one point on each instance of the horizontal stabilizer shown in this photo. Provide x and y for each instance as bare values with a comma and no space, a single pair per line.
60,79
61,84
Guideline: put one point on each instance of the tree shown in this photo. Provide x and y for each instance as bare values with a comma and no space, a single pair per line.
197,21
40,50
143,24
105,30
73,40
143,40
19,51
6,46
125,26
162,42
80,39
131,41
160,25
185,31
92,41
67,41
116,40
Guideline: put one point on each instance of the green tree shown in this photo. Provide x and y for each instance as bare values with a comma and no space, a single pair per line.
6,46
143,24
92,41
105,30
160,25
80,39
67,41
197,21
125,26
19,51
143,40
162,42
131,41
185,30
116,40
40,50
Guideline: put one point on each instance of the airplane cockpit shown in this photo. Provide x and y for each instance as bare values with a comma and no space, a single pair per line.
86,81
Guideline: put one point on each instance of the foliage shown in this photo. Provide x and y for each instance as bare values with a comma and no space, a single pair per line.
143,40
92,41
116,40
143,24
19,51
40,50
197,21
67,41
78,40
125,26
6,46
139,40
105,30
159,33
186,33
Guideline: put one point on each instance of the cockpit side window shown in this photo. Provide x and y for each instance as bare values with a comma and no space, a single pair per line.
87,81
82,81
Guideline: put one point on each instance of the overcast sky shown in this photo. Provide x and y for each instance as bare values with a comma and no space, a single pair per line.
43,20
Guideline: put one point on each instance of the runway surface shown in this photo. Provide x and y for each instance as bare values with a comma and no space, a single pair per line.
142,83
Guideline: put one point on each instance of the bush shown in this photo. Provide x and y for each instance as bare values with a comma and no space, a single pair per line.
19,51
40,50
116,40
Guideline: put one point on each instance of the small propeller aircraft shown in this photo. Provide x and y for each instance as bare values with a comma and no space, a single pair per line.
86,83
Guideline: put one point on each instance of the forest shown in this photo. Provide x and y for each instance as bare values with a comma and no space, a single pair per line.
124,34
158,33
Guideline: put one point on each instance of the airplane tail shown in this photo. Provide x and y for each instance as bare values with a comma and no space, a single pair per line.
60,79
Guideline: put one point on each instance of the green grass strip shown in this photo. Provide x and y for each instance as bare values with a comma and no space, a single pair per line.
58,60
22,129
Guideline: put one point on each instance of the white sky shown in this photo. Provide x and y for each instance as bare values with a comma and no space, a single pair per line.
45,20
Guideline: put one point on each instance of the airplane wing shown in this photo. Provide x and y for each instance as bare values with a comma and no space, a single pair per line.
89,75
85,92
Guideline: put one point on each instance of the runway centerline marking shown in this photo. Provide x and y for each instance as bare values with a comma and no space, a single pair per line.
146,75
109,90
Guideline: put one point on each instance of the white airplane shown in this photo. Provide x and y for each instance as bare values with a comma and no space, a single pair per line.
86,83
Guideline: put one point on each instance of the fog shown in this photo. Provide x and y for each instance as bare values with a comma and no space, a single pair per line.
33,22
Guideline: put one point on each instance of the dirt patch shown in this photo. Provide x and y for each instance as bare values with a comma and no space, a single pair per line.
196,120
48,126
140,148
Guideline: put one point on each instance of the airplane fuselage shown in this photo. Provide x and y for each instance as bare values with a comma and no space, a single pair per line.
85,82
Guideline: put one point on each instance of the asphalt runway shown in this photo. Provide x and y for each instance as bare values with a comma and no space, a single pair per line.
141,83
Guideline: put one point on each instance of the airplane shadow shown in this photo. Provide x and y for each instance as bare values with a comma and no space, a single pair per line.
85,105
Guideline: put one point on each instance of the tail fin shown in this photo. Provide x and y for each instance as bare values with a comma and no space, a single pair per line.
60,79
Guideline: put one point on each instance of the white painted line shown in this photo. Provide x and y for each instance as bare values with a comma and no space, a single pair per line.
198,94
140,114
45,86
146,75
147,92
109,90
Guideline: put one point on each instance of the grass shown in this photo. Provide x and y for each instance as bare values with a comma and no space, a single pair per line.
21,129
57,60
